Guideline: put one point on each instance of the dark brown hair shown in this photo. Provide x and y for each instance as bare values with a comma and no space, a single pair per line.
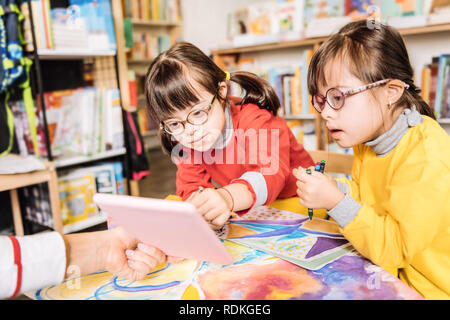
373,54
169,85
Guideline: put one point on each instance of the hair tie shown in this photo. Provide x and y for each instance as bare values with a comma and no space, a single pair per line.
227,75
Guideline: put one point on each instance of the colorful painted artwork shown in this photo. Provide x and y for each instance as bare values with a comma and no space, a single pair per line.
255,274
298,241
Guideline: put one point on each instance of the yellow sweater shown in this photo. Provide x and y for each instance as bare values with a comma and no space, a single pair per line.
404,221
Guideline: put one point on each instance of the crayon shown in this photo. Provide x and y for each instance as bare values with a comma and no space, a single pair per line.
322,166
310,211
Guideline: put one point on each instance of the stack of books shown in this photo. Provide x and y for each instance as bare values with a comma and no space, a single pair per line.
157,10
436,85
84,121
84,25
148,46
282,20
289,82
77,188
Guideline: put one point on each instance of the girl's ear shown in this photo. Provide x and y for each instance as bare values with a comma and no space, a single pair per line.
394,91
223,90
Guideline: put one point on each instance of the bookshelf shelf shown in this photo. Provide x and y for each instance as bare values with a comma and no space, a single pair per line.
73,53
84,224
300,117
154,23
139,61
69,161
315,41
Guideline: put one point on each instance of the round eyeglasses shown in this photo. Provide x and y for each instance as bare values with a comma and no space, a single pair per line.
336,98
195,117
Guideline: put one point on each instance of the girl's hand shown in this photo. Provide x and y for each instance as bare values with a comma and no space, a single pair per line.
213,206
128,258
317,190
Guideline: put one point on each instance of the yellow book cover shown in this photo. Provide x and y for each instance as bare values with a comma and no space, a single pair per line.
296,92
155,10
146,9
426,76
76,198
309,54
134,9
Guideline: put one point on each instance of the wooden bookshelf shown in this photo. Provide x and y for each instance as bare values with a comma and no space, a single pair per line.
70,161
140,61
154,23
317,41
72,53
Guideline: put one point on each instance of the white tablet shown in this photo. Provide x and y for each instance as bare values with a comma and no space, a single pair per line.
175,227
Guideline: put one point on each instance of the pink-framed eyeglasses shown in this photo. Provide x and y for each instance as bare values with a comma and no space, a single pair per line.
336,98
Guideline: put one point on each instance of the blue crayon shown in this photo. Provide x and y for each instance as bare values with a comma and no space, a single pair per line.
310,211
317,168
322,166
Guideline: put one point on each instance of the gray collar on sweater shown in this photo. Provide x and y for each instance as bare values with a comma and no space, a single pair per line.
388,140
227,131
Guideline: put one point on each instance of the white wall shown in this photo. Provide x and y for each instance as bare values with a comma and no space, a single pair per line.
205,21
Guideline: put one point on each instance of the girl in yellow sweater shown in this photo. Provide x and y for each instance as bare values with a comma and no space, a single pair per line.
396,208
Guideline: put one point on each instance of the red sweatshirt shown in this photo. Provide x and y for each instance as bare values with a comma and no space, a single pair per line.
259,151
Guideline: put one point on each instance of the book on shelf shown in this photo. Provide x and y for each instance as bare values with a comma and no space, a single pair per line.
78,186
23,139
298,19
148,46
84,24
287,19
156,10
98,18
436,85
104,72
40,9
132,86
35,204
289,82
83,121
304,132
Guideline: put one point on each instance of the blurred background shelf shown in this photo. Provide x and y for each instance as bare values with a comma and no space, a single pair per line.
70,161
73,53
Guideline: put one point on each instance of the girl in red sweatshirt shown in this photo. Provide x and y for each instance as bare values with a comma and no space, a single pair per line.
232,154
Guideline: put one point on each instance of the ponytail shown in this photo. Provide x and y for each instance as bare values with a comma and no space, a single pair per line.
257,91
412,96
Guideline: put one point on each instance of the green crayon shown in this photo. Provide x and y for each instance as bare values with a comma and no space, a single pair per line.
310,211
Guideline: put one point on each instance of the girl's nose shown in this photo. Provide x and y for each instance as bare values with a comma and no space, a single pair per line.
189,129
328,112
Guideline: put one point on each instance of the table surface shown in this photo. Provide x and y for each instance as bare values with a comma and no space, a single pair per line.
254,274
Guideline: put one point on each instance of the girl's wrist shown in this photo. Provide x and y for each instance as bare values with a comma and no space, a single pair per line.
228,197
336,197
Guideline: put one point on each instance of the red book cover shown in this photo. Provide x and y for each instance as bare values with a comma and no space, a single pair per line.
433,82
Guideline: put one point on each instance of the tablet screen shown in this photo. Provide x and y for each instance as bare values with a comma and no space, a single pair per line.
175,227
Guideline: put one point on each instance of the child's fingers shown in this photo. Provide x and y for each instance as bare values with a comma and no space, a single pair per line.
154,252
198,199
140,258
213,214
173,259
303,176
222,219
140,267
206,208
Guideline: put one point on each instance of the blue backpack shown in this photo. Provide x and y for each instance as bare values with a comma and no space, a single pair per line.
14,74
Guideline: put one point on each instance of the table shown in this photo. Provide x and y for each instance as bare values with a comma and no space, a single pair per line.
253,275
